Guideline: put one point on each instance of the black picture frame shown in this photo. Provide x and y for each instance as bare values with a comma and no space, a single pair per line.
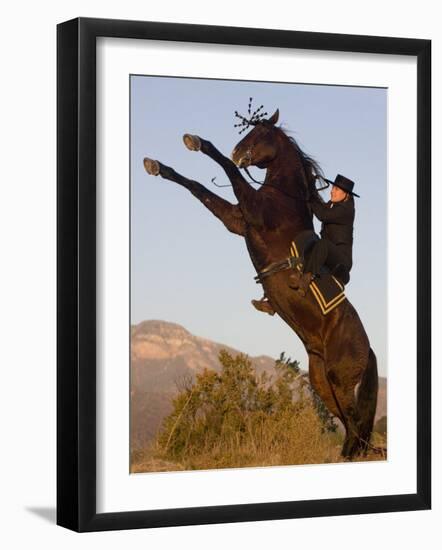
77,288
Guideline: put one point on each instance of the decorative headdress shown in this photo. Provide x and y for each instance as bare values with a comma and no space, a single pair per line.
254,118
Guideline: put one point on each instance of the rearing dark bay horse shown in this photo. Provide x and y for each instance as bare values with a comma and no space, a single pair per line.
342,366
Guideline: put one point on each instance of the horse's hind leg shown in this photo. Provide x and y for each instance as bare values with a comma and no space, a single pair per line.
357,398
367,399
343,389
321,384
339,400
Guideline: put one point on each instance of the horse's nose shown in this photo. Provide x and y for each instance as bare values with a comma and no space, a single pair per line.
241,160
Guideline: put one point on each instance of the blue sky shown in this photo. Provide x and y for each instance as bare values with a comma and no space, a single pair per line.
185,266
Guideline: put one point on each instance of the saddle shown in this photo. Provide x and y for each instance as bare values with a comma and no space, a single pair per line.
328,287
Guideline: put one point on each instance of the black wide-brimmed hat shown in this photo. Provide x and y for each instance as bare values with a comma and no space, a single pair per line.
343,183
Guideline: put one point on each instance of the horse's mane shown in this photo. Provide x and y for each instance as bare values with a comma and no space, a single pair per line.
310,165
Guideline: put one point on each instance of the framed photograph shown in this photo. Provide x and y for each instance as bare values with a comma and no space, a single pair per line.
243,274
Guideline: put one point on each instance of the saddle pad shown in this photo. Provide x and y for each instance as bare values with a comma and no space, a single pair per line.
327,290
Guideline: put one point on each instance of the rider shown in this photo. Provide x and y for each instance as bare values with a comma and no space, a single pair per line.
334,249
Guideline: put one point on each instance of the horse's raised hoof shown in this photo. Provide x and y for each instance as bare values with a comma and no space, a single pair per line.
152,167
193,143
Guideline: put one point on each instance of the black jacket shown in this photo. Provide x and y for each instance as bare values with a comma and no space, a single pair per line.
337,223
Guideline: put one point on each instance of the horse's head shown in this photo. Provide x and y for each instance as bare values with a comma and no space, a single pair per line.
260,146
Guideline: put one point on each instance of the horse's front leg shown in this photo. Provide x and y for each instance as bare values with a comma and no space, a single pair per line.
228,213
248,198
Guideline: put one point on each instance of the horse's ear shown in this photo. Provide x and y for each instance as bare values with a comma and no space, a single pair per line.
274,118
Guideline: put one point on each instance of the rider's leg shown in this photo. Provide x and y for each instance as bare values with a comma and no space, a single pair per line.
323,252
338,262
318,255
317,258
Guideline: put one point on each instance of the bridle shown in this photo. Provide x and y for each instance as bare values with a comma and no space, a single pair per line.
297,197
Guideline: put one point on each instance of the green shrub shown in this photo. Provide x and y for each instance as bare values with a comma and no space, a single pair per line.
236,418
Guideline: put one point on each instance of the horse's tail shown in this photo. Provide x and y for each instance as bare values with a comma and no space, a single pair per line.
367,399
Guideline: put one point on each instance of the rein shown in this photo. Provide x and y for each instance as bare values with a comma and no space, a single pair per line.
327,184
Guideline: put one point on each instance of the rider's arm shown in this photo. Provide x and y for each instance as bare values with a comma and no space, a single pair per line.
338,214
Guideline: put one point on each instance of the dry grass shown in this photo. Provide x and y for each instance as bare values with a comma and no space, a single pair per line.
233,419
302,444
146,460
